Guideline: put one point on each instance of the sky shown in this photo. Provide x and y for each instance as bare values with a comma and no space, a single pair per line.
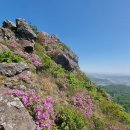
98,31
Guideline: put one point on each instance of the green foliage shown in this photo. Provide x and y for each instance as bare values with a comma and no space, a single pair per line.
9,57
48,64
98,123
75,82
115,112
81,76
120,94
69,119
103,93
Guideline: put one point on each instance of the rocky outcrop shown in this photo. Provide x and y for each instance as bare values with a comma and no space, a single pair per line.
13,115
27,45
6,33
66,62
9,24
12,69
24,30
20,30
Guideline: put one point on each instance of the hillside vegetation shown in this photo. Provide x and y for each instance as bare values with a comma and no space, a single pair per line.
44,74
120,94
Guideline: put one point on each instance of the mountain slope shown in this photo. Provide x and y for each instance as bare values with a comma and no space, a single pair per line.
120,94
44,74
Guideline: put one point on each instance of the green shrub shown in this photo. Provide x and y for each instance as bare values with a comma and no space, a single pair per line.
75,82
115,111
103,93
9,57
69,119
98,123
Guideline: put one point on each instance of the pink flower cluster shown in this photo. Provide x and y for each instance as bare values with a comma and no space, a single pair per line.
111,127
35,60
50,39
20,53
46,38
12,45
25,77
42,107
85,103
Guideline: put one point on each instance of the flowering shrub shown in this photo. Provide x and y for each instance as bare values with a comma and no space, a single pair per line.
85,103
35,60
45,38
20,53
51,39
111,127
25,77
40,108
12,45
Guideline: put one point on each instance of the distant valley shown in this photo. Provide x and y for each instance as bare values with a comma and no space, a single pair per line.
107,79
118,86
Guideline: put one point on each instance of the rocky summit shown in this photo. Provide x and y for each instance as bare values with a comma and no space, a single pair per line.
43,88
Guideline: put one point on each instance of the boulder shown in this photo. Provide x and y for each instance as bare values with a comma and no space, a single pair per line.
24,30
6,33
12,69
13,115
66,62
9,24
27,45
67,58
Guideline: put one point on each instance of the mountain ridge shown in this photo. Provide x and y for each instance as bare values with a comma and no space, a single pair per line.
40,79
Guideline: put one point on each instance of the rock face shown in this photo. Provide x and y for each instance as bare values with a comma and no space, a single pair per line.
66,62
13,115
24,30
9,24
6,33
12,69
27,45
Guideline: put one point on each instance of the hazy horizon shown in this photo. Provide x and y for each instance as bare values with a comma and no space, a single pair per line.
108,73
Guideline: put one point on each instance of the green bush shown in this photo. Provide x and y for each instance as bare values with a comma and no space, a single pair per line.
98,123
69,119
9,57
115,111
75,82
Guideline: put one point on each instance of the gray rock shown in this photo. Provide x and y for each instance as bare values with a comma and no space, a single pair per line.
12,69
9,24
13,115
24,30
66,62
6,33
27,45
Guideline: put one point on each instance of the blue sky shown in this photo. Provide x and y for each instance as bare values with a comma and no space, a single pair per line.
97,30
